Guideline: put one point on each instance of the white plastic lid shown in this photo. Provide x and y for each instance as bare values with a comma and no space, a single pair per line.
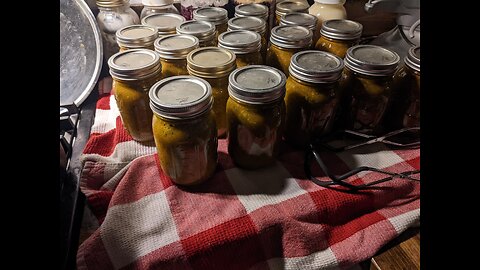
152,3
332,2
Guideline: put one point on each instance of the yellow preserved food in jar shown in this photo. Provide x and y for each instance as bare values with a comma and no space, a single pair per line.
136,37
255,115
254,24
204,31
302,19
286,7
214,65
184,129
173,51
244,44
166,23
285,41
312,96
336,36
134,72
216,15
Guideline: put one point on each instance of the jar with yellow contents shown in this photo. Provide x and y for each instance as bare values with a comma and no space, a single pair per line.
254,24
286,7
134,72
302,19
173,51
184,129
204,31
165,23
336,36
214,65
255,115
216,15
244,44
285,41
136,37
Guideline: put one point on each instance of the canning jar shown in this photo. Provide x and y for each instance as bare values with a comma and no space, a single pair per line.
214,65
286,7
302,19
255,115
336,36
134,72
312,95
285,41
215,15
157,7
136,37
184,129
244,44
368,85
253,24
165,23
173,51
204,31
254,10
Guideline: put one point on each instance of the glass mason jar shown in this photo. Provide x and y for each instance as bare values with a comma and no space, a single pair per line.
286,7
173,51
244,44
336,36
157,7
368,82
184,129
254,10
165,23
136,37
214,65
255,115
302,19
253,24
112,16
285,41
312,96
204,31
134,72
215,15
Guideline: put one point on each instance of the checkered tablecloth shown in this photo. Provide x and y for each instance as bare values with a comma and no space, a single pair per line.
273,218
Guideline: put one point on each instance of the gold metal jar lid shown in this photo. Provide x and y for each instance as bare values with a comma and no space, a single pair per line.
176,46
136,36
215,15
291,36
240,41
248,23
180,97
286,7
413,58
341,29
111,3
134,64
165,23
316,66
371,60
204,31
211,62
257,84
253,10
302,19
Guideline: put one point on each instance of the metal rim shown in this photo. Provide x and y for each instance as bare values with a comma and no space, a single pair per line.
316,75
369,68
241,48
261,28
329,31
204,71
176,53
289,42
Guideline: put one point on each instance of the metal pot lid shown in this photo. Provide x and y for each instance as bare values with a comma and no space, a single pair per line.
81,52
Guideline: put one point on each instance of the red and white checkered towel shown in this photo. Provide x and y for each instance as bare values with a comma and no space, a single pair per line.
271,218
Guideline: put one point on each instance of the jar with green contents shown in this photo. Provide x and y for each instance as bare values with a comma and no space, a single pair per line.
173,51
136,37
165,23
134,72
216,15
255,115
336,36
244,44
368,82
286,7
184,129
285,41
204,31
302,19
253,10
312,96
214,65
253,24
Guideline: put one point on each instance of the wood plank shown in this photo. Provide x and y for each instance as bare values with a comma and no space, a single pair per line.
405,255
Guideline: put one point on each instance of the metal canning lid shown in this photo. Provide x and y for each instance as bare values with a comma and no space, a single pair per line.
285,7
204,31
256,84
341,29
165,23
176,46
254,10
248,23
291,36
110,3
302,19
180,97
240,41
371,60
316,66
134,64
413,58
211,62
215,15
136,36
